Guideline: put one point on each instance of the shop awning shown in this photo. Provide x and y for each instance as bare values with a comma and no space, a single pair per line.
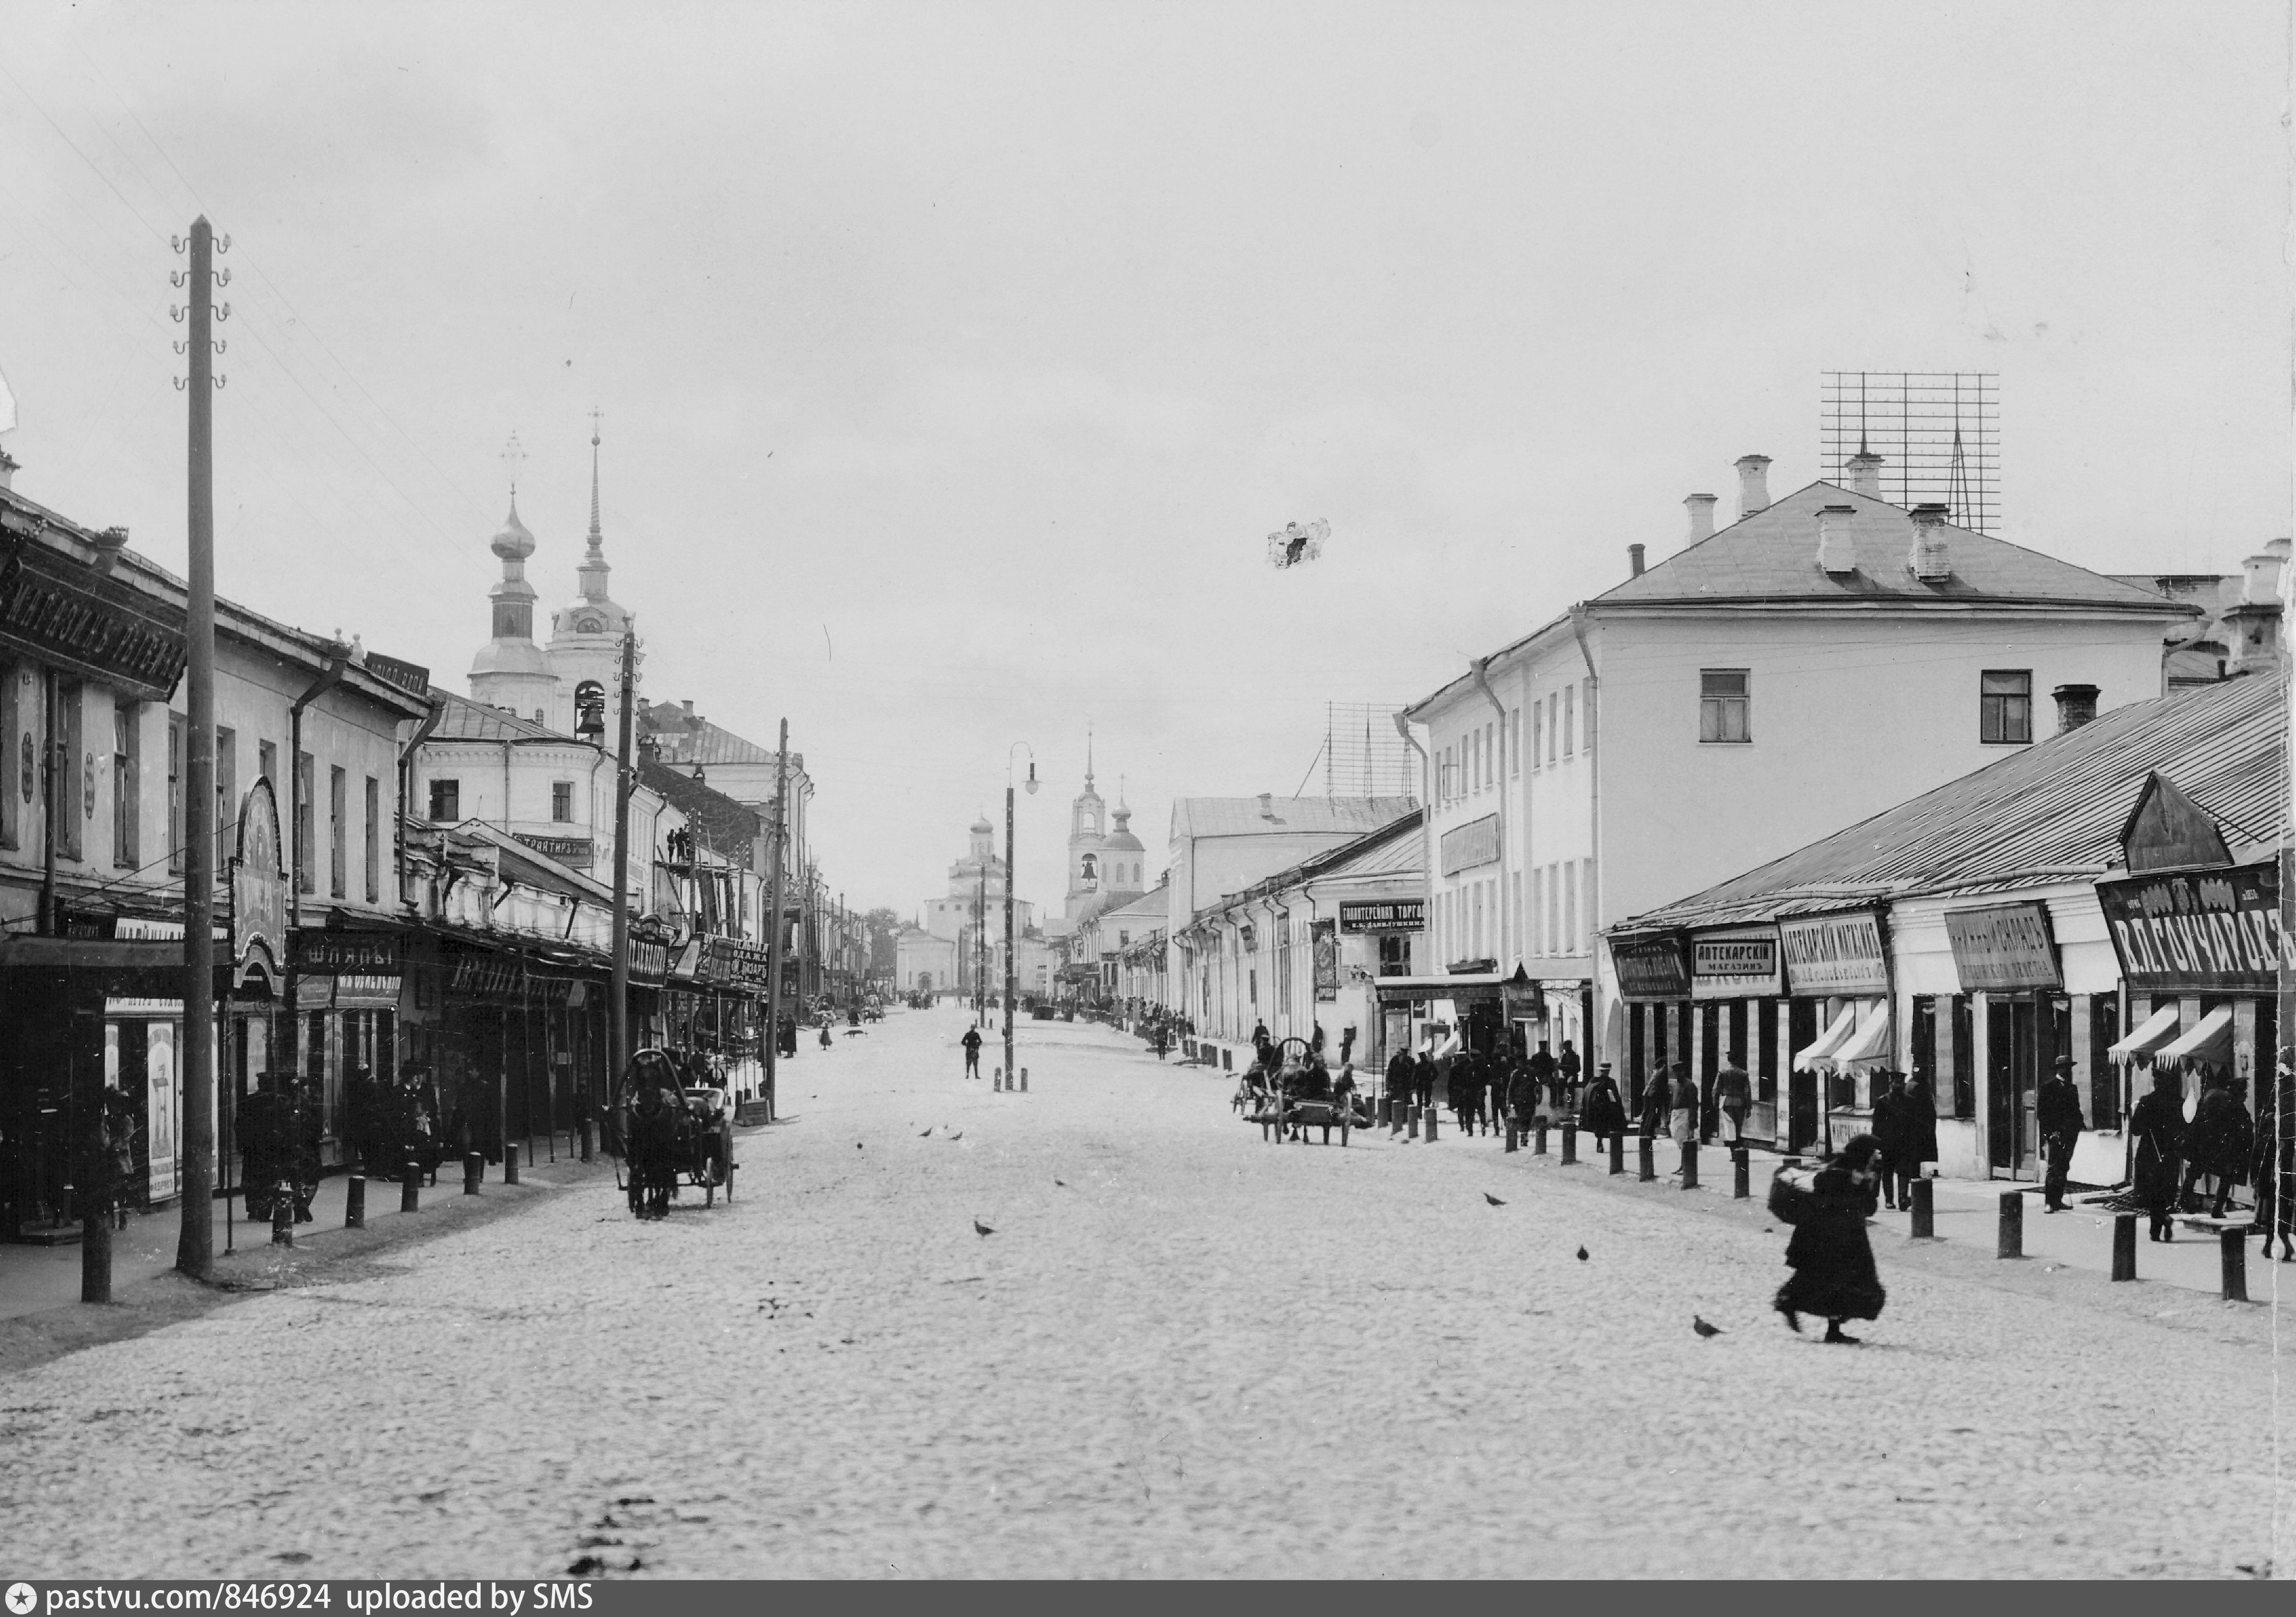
1869,1046
2209,1041
1462,986
1810,1054
2157,1029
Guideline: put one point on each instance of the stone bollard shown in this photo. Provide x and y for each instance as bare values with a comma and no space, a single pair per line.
2124,1246
1690,1164
283,1216
1649,1165
1415,1121
510,1164
996,1082
2012,1244
1511,1143
1024,1080
1538,1137
1385,1110
410,1188
1431,1111
1570,1144
2234,1244
1741,1174
1618,1153
354,1202
1924,1219
474,1167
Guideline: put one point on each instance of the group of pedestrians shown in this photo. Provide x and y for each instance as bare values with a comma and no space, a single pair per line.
2221,1142
1482,1090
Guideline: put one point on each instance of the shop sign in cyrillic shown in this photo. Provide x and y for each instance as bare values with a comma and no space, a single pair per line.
1383,916
2004,948
1656,968
1830,954
258,883
61,622
1327,960
2204,931
1735,965
575,852
366,991
358,953
1476,842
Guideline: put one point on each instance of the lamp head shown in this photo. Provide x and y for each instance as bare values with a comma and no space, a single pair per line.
1032,777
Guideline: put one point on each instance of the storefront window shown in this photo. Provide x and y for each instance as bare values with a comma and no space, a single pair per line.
2103,1079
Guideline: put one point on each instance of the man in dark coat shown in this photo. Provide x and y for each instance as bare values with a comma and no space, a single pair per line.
1604,1115
2157,1125
1398,1080
1656,1102
1567,1071
2057,1117
1546,1074
1888,1132
1422,1078
972,1042
2219,1143
1918,1117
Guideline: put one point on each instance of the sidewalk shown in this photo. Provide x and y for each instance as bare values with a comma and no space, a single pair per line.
1967,1212
34,1279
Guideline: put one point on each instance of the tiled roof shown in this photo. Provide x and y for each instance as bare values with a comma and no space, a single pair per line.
1395,849
462,719
684,739
1772,556
1148,906
2055,809
727,824
1195,817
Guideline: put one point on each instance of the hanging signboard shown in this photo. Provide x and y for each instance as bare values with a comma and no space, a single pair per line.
1655,968
366,991
1740,964
649,962
1476,842
47,607
258,888
1327,960
1834,954
2202,931
2004,948
576,853
485,976
1383,916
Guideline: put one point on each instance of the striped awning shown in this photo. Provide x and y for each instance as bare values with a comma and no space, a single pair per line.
1869,1046
2208,1042
2157,1029
1809,1056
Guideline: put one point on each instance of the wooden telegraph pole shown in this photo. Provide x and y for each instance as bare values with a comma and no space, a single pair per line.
195,1244
618,996
776,927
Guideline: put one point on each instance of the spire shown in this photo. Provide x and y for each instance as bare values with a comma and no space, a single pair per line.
1088,758
594,569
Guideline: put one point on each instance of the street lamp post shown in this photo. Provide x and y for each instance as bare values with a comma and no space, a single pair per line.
1011,1072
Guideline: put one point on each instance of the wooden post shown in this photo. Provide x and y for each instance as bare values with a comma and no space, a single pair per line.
2012,1239
2124,1246
1924,1215
196,1242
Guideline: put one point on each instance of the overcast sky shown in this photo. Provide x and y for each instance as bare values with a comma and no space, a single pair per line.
956,360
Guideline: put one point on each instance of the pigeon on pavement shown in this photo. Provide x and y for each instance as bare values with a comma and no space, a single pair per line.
1493,1200
983,1229
1064,1183
1582,1254
958,1135
923,1135
1702,1328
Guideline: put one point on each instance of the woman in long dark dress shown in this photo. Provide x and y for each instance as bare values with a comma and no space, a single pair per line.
1603,1115
2158,1126
1832,1262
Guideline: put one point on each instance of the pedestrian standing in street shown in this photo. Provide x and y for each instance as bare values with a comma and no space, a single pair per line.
1888,1131
1656,1101
1399,1079
972,1042
1682,1105
1734,1095
2219,1143
1520,1095
2272,1159
1568,1071
1422,1077
1919,1117
1544,1075
2057,1116
1459,1078
1831,1259
1603,1114
2157,1124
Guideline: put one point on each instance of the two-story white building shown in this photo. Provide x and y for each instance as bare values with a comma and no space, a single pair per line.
1825,656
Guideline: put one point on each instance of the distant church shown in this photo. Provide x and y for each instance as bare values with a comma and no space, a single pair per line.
1106,868
586,636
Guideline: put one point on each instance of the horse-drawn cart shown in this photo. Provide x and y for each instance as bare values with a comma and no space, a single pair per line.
1300,1095
672,1135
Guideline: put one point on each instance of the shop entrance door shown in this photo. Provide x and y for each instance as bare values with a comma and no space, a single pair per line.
2012,1059
1801,1088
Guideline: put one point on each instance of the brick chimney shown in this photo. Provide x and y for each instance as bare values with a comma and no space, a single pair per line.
1753,484
1701,507
1930,559
1635,561
2076,706
1834,552
1865,474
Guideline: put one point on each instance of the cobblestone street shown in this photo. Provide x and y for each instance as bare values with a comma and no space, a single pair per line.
1183,1351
